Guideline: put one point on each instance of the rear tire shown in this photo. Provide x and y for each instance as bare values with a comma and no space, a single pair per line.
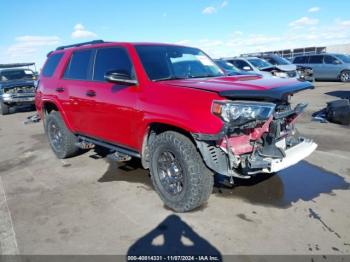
4,109
344,76
62,141
178,173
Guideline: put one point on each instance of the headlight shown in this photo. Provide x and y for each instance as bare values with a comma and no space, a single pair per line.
241,112
6,95
281,74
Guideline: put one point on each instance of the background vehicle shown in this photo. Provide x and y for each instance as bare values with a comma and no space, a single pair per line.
304,72
230,69
327,66
16,86
174,108
263,67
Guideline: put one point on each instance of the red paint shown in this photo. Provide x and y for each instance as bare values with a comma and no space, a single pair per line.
124,116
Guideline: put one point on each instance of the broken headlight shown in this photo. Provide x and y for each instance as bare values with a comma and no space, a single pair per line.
241,112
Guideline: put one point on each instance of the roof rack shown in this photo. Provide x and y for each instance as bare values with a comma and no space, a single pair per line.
80,44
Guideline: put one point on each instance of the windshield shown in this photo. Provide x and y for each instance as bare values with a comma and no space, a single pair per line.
176,62
344,58
259,63
16,74
226,65
278,60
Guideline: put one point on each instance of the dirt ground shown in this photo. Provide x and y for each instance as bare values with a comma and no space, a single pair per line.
89,205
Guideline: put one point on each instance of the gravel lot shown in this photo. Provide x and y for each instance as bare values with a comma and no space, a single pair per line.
89,205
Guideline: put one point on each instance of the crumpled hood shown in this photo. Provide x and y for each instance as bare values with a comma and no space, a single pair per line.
245,87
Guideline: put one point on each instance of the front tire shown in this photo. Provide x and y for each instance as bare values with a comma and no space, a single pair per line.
178,173
344,76
4,109
62,141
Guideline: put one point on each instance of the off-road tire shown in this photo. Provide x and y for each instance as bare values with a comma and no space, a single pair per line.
68,146
4,109
198,179
344,76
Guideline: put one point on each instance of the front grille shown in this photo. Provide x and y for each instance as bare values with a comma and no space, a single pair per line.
19,90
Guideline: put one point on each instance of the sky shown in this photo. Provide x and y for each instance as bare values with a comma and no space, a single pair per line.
32,28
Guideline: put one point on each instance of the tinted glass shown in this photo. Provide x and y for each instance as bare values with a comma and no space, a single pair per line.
259,63
173,62
79,65
316,59
51,64
329,59
112,59
240,64
300,60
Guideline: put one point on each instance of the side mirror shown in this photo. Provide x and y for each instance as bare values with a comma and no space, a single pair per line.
246,68
120,77
336,62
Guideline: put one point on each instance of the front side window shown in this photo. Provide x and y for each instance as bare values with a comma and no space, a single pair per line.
344,58
79,65
176,62
112,60
316,59
328,59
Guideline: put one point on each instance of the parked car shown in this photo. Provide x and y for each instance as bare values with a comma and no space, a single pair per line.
16,86
327,66
304,72
175,109
259,65
230,69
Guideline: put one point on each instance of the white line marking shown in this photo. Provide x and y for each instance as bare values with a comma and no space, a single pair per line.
8,242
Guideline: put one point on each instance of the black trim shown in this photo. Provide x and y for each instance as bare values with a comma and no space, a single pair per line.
274,94
94,42
112,146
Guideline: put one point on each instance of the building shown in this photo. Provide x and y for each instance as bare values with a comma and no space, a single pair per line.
291,53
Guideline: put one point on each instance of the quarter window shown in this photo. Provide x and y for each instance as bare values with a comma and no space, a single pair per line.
51,64
79,65
112,59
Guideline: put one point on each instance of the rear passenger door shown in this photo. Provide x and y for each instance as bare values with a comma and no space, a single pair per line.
115,111
75,84
316,62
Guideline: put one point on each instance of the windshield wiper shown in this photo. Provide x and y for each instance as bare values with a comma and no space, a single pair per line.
169,78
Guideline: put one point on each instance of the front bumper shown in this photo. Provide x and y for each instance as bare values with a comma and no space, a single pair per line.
292,156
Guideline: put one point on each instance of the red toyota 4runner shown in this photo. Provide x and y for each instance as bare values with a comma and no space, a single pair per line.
175,109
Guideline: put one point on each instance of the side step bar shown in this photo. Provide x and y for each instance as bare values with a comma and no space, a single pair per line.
113,147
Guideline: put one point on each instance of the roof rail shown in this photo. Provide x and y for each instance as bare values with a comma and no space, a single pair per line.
80,44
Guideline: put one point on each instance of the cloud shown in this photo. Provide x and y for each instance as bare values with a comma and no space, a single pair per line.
209,10
303,21
28,45
81,32
238,42
314,9
213,9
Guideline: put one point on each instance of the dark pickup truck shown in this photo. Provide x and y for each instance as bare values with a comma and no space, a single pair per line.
16,86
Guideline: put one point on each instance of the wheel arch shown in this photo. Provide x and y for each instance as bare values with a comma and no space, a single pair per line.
50,105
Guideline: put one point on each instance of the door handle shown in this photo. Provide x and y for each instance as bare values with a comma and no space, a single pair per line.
59,89
91,93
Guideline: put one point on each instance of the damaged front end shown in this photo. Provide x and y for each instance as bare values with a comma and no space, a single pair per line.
257,137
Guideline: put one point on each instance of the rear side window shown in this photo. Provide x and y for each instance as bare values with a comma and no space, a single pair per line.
51,64
300,60
112,59
316,59
79,65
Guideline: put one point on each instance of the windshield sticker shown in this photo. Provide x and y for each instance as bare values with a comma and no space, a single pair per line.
28,72
205,60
